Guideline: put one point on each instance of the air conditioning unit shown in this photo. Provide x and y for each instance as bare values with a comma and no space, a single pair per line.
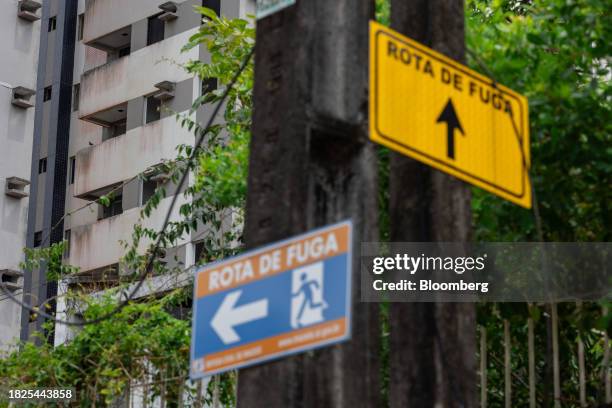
15,187
28,10
22,96
166,90
169,13
11,279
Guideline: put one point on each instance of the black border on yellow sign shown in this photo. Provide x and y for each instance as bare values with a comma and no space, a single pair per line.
471,75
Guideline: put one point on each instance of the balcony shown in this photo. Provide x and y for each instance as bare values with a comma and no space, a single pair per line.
98,245
112,161
134,75
106,16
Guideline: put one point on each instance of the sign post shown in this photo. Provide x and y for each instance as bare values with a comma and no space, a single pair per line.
282,299
446,115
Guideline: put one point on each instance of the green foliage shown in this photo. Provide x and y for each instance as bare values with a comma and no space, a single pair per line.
51,258
213,204
558,54
141,344
216,199
383,12
105,200
574,323
223,173
228,41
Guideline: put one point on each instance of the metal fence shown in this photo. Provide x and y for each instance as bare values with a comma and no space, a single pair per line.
510,378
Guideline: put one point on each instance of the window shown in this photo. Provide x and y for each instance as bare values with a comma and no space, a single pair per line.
119,128
213,4
47,92
152,109
115,207
37,239
115,129
124,52
67,235
42,165
76,94
72,170
155,30
52,23
208,85
80,26
199,252
148,189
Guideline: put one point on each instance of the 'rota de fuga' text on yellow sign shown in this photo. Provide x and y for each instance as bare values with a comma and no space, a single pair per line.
438,111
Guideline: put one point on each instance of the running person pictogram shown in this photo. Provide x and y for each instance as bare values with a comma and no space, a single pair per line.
306,287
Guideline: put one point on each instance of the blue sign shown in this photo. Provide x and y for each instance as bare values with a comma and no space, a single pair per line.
288,297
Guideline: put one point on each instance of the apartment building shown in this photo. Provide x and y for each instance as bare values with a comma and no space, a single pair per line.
109,88
19,39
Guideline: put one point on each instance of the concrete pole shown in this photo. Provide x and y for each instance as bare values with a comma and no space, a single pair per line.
311,164
433,345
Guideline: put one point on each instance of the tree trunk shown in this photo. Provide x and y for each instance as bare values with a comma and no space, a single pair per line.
311,164
432,346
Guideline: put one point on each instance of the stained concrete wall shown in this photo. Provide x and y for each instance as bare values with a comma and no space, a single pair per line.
102,18
123,157
134,75
97,245
105,16
19,42
104,84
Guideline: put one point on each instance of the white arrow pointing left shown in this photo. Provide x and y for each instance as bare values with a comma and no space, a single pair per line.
228,316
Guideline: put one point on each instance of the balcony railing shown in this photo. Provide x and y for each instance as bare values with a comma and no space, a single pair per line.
98,245
134,75
112,161
106,16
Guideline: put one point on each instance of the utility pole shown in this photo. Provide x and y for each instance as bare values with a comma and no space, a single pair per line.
311,164
433,345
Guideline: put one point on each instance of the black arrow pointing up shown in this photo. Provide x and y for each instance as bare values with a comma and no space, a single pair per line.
449,116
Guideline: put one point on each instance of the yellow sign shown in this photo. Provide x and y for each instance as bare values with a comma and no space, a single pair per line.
440,112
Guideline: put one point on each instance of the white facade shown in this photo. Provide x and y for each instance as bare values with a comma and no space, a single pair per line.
19,43
98,245
116,88
119,126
